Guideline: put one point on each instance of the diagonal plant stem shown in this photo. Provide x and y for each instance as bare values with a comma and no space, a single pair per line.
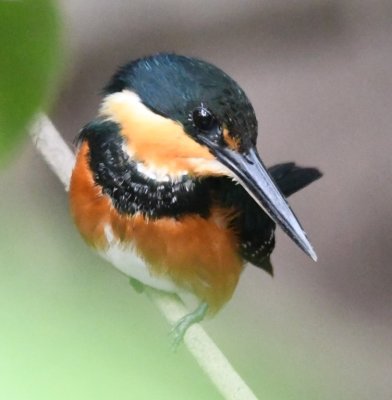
61,160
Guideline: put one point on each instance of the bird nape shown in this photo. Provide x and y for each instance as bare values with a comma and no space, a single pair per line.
168,183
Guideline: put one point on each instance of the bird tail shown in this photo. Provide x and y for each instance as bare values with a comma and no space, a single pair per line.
290,177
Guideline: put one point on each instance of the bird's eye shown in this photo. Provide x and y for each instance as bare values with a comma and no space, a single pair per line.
204,119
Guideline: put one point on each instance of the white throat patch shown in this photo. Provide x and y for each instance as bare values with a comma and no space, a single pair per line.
159,174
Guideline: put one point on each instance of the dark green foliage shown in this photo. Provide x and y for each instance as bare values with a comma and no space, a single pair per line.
29,46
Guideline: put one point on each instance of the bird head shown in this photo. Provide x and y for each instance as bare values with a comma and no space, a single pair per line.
182,116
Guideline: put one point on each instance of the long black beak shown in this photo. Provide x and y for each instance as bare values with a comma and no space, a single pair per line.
252,175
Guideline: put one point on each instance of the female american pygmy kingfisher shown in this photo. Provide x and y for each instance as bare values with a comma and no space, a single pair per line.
169,186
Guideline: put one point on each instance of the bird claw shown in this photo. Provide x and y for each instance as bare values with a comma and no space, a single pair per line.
177,334
179,330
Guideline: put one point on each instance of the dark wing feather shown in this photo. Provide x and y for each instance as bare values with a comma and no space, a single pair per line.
290,177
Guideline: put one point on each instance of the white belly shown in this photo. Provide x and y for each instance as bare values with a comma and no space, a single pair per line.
125,259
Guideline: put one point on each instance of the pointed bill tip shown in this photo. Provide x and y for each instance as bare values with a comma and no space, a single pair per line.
303,242
311,253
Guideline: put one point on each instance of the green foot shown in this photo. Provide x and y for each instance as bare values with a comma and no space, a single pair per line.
179,329
137,285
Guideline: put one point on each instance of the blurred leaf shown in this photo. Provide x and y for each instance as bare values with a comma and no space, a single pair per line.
29,52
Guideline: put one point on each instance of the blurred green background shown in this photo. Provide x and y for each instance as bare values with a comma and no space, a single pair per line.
319,75
29,63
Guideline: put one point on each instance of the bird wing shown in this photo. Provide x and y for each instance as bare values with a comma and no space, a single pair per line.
291,178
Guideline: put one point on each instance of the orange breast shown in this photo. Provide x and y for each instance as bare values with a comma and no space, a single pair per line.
198,254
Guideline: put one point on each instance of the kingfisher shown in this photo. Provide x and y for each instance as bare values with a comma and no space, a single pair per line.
169,186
